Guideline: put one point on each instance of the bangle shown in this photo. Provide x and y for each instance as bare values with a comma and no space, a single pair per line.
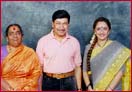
88,86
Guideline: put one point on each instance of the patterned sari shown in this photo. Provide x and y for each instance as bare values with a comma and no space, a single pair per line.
21,69
106,63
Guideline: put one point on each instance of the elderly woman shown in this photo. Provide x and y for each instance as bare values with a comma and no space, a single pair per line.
20,65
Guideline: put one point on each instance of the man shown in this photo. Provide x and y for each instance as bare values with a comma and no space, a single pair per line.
60,57
20,65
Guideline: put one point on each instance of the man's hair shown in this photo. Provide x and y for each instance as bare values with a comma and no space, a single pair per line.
61,14
7,29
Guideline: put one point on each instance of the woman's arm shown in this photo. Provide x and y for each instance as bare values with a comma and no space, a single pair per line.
87,81
5,85
115,81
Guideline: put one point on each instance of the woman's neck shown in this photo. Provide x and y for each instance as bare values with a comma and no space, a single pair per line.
101,43
10,48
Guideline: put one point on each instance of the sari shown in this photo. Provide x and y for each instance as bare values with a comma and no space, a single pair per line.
106,63
21,69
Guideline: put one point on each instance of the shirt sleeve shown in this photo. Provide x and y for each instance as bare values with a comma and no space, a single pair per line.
77,57
39,51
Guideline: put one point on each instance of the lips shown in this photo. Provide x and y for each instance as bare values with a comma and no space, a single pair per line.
102,35
15,40
62,30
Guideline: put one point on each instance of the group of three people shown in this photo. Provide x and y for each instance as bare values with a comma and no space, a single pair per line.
56,65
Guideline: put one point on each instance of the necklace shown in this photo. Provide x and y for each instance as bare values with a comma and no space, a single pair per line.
103,44
10,49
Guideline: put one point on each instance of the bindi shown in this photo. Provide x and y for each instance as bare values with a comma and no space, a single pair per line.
14,28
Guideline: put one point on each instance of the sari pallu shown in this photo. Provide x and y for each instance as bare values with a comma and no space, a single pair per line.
21,69
106,64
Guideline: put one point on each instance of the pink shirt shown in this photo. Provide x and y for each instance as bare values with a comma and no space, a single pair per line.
58,57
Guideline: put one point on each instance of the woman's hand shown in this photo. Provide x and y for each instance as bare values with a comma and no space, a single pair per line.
5,85
109,89
89,88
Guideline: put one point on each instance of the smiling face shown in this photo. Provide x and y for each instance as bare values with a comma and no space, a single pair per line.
60,27
102,30
14,36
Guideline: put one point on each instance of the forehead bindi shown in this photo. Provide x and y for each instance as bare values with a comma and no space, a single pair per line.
14,29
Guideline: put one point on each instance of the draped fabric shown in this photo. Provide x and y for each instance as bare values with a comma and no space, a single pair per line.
106,63
21,69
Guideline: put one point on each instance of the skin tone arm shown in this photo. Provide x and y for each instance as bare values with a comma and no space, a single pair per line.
78,76
5,85
40,80
86,80
115,81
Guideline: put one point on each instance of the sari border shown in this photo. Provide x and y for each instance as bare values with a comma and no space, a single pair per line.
109,75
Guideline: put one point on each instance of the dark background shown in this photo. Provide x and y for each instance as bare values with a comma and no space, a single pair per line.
35,19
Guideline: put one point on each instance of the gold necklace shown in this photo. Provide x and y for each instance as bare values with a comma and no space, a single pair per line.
10,49
103,44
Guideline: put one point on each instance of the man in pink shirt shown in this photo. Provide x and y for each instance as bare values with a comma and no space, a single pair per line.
59,54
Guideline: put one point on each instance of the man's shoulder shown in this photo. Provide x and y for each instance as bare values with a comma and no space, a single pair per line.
45,37
73,38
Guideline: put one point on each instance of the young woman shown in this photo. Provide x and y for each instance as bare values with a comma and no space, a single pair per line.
106,61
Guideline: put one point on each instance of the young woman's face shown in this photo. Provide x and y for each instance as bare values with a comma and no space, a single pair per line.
102,30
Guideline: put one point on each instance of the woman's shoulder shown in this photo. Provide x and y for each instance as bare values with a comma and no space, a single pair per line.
87,46
117,43
29,49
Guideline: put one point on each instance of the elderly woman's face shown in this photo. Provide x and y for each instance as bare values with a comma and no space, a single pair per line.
14,37
102,30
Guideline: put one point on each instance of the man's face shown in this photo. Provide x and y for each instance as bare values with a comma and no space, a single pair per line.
60,27
14,37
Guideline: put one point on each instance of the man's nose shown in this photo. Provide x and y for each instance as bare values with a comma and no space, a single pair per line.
62,26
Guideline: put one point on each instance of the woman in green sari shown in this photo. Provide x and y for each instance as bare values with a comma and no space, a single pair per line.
106,63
